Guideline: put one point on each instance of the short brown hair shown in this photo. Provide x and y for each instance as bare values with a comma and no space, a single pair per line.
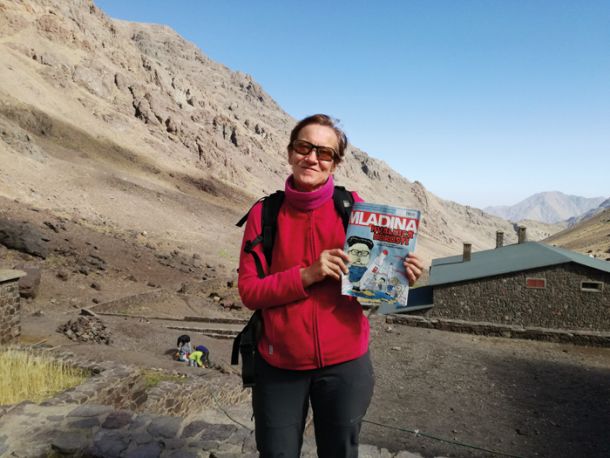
322,120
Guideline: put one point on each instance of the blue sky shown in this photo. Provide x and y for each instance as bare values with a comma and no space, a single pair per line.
484,102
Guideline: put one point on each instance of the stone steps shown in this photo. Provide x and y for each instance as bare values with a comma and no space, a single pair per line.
215,333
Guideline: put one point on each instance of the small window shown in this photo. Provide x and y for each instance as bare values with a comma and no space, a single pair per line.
592,286
538,283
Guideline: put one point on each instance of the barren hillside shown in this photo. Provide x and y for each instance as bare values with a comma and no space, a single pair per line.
591,236
131,128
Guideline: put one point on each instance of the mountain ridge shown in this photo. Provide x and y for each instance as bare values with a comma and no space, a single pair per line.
549,207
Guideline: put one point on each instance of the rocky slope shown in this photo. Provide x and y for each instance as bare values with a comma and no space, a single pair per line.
589,214
591,236
131,128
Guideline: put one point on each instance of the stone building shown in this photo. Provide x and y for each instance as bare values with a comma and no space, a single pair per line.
527,284
10,307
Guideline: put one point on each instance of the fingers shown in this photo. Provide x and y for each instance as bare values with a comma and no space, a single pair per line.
331,270
336,260
338,252
414,268
330,264
414,260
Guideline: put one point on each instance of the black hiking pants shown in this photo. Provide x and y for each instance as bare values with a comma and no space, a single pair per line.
339,396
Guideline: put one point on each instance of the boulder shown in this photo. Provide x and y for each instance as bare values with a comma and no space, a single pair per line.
30,284
23,237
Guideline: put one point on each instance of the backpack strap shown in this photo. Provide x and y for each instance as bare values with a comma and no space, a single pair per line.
245,344
244,218
249,248
271,210
344,201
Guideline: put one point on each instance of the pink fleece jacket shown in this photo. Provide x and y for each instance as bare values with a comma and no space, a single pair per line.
304,328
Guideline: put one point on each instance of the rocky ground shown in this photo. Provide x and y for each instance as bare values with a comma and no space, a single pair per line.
505,395
519,397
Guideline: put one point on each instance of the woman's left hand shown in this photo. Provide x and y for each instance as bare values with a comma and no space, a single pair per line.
414,267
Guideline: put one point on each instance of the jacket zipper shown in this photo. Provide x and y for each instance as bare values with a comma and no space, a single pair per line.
314,308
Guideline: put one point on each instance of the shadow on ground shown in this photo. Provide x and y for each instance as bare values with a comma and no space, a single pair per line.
555,409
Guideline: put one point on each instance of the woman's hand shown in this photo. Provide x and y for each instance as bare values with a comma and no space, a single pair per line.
414,267
331,263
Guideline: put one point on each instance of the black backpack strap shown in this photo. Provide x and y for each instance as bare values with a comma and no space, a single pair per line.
244,218
271,210
249,248
235,350
246,342
344,201
245,345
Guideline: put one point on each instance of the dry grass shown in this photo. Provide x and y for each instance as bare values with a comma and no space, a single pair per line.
26,375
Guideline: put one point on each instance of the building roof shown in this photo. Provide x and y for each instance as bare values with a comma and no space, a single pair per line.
507,259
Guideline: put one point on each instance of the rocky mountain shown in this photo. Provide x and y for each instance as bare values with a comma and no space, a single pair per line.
133,132
589,214
548,207
591,235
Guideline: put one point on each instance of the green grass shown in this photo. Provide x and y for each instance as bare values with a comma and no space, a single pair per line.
153,378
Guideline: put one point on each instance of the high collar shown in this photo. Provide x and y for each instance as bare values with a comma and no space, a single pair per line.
307,201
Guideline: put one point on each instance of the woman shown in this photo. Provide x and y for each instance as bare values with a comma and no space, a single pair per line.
314,346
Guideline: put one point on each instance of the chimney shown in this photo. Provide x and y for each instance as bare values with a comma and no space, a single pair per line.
521,235
467,251
499,239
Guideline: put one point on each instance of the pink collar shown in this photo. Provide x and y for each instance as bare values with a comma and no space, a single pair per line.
307,201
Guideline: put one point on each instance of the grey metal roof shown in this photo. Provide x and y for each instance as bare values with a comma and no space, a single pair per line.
507,259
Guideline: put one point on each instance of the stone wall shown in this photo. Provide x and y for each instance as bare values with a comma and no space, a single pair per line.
504,299
10,306
157,392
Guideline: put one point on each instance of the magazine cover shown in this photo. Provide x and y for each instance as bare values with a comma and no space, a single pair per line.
377,240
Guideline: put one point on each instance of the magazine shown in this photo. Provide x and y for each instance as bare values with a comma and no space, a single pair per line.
377,240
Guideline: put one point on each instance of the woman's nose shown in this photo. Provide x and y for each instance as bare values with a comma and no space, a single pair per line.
312,156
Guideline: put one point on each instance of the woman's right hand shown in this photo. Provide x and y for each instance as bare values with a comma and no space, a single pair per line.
331,263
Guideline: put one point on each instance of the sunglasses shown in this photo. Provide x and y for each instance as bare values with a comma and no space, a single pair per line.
323,153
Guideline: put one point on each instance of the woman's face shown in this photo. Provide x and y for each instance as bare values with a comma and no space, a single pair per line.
308,171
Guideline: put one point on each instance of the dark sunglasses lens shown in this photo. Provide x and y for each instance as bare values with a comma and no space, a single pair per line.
301,147
326,154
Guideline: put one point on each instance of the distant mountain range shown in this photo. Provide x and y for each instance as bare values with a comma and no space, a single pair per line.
549,207
605,205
